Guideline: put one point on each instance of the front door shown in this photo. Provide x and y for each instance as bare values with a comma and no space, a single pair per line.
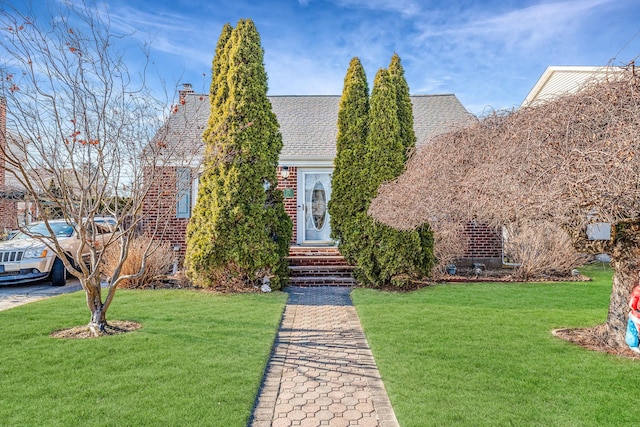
314,193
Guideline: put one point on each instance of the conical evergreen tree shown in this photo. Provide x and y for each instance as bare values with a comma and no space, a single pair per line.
385,149
383,161
405,108
423,258
219,90
347,199
240,231
200,233
387,256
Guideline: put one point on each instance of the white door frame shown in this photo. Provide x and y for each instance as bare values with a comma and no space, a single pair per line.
301,212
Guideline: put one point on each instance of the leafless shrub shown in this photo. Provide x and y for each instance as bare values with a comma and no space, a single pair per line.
541,249
158,258
450,242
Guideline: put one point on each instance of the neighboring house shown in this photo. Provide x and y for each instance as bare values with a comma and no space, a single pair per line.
308,125
15,207
560,80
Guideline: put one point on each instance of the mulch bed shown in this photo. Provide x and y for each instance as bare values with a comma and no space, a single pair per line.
504,276
592,339
114,327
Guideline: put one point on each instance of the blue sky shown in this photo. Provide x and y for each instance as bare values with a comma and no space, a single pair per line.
489,53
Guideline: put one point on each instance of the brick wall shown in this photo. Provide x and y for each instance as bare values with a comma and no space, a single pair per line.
8,207
160,209
289,187
8,215
485,244
3,137
160,206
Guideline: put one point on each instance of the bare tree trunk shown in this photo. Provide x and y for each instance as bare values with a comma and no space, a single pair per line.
98,321
625,260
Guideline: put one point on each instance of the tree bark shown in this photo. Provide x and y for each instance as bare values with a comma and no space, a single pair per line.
98,323
625,260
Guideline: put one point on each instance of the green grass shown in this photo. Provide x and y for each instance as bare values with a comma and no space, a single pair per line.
483,355
198,360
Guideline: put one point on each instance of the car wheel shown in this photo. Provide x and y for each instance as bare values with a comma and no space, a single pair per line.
58,273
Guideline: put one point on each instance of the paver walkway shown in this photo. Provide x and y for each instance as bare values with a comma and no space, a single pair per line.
322,371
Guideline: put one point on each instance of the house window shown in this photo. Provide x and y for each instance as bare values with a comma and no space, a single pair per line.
183,187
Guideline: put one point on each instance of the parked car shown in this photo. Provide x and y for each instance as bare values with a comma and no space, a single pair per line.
24,258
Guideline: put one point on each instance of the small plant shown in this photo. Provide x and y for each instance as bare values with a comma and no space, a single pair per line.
159,261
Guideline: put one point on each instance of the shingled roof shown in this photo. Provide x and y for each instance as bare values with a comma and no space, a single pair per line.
308,124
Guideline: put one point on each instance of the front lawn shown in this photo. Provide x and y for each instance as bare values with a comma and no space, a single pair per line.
483,355
198,360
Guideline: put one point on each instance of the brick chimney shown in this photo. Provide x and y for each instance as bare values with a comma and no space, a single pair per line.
187,88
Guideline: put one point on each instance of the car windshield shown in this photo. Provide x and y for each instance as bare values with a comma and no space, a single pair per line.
60,229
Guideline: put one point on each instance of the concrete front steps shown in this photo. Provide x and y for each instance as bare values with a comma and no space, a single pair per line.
318,266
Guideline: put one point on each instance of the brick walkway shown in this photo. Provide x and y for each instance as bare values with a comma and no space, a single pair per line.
322,372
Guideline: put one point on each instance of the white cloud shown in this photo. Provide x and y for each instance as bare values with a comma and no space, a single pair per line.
165,32
293,75
431,85
406,8
526,27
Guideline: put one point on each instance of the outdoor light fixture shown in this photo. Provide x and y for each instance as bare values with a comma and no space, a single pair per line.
284,172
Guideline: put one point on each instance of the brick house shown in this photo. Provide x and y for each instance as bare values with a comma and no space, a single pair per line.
309,131
9,196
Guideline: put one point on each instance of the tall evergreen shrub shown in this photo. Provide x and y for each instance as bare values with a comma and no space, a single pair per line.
200,232
424,259
348,196
387,256
405,108
239,232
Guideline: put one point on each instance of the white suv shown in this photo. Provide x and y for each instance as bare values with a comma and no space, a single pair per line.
24,258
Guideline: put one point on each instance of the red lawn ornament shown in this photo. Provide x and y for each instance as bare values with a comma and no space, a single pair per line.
633,324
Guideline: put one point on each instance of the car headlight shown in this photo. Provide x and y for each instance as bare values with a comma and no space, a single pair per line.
37,252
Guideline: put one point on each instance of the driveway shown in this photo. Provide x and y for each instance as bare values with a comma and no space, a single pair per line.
15,295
